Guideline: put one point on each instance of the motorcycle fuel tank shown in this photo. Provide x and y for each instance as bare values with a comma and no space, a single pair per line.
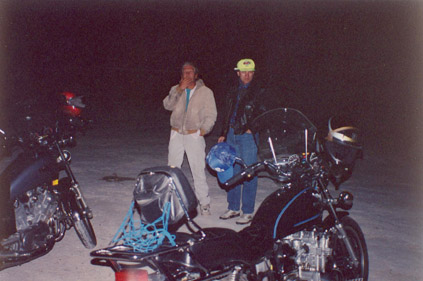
287,211
27,172
7,212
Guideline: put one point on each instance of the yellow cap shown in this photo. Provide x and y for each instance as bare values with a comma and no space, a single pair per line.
245,65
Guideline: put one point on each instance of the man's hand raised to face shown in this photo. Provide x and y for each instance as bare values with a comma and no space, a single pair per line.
185,83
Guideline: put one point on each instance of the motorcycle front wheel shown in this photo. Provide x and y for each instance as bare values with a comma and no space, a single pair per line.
85,231
341,255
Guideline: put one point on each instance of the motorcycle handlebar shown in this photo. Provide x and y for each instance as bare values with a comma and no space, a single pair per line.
248,173
33,137
62,141
274,171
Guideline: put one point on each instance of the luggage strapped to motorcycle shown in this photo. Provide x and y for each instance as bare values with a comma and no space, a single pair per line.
141,237
162,197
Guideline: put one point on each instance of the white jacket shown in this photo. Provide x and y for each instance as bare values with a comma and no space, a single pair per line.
200,114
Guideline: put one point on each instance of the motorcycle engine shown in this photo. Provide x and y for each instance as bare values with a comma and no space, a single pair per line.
311,251
35,206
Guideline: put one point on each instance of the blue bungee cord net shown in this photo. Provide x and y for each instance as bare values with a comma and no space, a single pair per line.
142,237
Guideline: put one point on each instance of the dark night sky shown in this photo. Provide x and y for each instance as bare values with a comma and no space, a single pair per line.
323,57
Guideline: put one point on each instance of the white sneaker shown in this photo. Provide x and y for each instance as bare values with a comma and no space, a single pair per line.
244,219
229,214
205,210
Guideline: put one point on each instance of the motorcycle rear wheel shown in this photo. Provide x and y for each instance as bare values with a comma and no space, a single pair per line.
85,232
358,243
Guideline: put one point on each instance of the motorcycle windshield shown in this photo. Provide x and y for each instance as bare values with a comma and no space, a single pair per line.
282,132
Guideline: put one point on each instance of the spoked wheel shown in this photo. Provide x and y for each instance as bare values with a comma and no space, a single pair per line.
85,231
341,257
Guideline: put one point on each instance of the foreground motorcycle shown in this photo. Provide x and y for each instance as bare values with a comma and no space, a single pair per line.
40,196
299,232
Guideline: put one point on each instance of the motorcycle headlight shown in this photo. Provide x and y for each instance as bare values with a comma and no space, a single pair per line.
67,155
345,200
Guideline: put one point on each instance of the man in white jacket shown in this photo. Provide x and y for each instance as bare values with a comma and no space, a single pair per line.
193,116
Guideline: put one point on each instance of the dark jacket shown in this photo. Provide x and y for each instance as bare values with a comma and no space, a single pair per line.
250,106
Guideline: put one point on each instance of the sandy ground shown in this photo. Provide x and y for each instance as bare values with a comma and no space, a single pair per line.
387,206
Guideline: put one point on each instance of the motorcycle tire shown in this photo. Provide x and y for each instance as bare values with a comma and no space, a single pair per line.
358,243
85,232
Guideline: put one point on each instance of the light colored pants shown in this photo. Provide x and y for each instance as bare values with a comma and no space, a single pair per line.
194,145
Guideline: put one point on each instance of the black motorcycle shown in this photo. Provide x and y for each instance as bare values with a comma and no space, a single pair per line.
299,232
39,195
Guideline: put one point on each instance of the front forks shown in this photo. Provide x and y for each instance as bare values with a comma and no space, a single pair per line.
342,234
81,205
80,201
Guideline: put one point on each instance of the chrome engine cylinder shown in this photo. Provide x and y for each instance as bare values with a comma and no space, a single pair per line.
312,250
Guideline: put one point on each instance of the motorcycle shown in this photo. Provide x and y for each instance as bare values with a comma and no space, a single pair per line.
299,232
40,196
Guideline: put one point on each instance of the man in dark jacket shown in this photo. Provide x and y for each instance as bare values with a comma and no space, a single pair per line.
244,103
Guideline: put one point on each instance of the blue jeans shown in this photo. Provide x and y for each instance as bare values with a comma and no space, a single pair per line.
247,150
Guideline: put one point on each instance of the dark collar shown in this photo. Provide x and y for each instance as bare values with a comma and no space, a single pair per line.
242,85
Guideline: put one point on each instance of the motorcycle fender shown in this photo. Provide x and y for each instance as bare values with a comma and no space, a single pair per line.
330,220
288,211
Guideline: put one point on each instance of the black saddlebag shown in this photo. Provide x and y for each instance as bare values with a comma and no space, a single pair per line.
158,185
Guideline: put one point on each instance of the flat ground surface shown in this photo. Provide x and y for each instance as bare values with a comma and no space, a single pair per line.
362,59
387,206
